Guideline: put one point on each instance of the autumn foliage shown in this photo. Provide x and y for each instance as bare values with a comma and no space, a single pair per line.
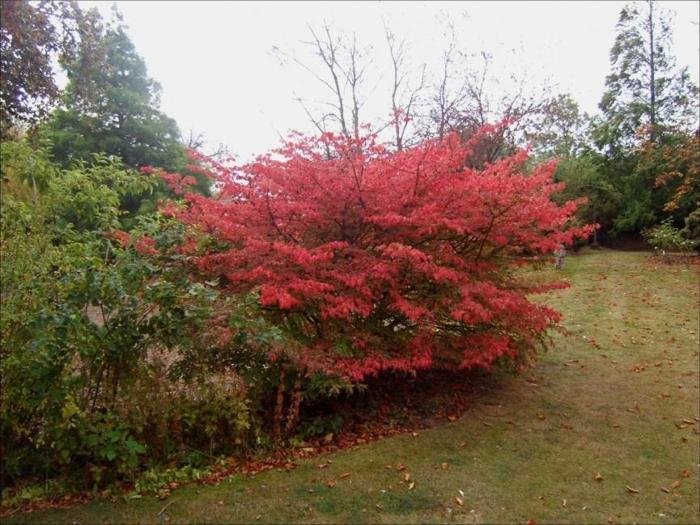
373,260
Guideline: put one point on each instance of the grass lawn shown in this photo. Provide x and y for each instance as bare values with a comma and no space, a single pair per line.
616,399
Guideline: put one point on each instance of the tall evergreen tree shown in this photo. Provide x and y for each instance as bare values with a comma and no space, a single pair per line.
111,105
649,104
646,93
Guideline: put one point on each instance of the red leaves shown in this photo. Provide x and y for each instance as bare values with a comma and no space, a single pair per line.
409,251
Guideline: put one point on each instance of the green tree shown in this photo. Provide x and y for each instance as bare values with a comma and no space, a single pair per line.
560,130
649,103
111,105
646,93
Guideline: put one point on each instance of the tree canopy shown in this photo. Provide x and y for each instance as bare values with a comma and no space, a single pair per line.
111,105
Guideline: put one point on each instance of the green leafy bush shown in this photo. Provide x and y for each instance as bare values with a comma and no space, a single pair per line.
666,238
85,309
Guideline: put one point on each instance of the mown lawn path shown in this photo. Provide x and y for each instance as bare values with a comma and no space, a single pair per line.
603,429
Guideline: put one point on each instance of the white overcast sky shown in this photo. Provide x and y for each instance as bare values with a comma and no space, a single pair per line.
220,76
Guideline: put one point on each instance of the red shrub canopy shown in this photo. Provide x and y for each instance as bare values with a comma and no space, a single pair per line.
373,260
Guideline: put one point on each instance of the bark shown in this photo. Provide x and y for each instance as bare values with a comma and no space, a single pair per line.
293,414
279,406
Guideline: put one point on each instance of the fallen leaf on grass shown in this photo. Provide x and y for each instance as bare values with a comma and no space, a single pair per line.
411,485
664,489
330,484
685,473
344,475
452,418
444,466
407,477
599,477
459,501
541,417
630,489
531,522
676,484
322,465
400,467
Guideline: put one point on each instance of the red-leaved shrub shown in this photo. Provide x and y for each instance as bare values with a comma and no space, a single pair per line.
375,260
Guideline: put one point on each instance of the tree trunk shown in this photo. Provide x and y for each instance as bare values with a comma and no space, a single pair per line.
652,70
279,405
293,414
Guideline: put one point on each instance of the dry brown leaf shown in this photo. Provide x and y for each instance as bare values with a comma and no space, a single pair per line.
664,489
452,418
676,484
322,465
459,501
444,466
530,522
411,485
345,475
407,477
400,467
630,489
541,417
598,477
330,484
685,473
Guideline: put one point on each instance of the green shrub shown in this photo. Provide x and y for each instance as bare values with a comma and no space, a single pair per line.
666,238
